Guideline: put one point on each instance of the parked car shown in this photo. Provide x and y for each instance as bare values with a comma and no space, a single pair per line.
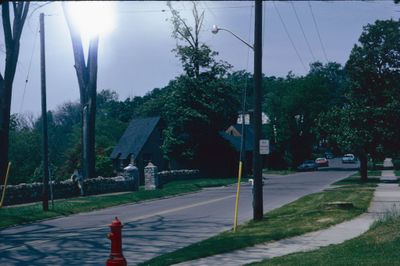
322,162
349,158
308,165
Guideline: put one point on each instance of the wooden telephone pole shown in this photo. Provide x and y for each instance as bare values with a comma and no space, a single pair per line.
257,166
45,192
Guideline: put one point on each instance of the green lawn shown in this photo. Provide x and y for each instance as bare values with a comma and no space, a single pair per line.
309,213
32,212
355,180
378,246
371,173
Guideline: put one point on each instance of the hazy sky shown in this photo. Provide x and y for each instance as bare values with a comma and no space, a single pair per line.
135,56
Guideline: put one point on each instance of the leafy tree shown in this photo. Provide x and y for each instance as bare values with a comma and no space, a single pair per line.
368,124
200,102
25,145
12,36
293,104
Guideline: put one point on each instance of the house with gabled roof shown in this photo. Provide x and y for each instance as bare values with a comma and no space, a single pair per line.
141,141
233,136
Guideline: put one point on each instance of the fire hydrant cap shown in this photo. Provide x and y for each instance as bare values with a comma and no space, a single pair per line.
116,223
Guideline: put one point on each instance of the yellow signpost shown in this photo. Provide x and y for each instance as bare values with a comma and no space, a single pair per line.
5,185
237,196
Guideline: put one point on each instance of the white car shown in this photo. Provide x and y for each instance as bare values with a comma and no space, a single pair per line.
349,158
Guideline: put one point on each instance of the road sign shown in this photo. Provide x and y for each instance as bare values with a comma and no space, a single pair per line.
264,146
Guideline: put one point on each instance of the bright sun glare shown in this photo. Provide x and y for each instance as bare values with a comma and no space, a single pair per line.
92,18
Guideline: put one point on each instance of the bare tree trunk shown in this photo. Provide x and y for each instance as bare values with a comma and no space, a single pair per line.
363,166
87,80
5,106
12,36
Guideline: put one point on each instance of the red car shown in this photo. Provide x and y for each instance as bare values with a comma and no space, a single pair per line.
322,162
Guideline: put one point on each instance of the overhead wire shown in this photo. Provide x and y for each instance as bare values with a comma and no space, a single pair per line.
29,68
303,32
290,38
319,35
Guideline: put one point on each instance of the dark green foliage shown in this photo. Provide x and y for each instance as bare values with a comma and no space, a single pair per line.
195,111
368,122
294,103
25,150
200,102
396,164
64,127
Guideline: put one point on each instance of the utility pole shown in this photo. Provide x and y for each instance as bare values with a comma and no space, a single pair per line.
257,170
45,191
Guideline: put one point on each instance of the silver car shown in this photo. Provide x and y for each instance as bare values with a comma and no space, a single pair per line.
349,158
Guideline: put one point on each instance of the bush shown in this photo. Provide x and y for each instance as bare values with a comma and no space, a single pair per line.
396,164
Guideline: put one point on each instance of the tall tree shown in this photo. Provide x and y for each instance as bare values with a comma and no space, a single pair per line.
12,36
368,124
293,103
86,72
200,102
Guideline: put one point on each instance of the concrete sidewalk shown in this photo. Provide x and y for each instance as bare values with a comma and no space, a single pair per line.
386,198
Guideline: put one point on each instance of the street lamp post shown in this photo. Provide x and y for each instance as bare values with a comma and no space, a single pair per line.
257,166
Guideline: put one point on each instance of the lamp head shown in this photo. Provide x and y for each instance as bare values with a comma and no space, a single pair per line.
215,29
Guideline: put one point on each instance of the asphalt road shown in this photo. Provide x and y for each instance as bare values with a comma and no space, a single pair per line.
151,228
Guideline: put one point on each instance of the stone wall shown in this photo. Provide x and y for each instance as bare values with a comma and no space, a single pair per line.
176,175
25,193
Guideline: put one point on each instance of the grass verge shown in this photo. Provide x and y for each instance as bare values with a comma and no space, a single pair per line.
33,212
371,173
376,247
310,213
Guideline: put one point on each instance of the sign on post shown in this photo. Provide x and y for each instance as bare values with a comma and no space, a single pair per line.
264,146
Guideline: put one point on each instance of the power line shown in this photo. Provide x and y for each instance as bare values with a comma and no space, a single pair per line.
209,9
302,30
165,10
29,69
319,36
290,38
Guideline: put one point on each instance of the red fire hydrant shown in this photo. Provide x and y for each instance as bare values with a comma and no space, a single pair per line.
116,257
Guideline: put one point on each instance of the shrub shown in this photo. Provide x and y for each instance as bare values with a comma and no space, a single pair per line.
396,164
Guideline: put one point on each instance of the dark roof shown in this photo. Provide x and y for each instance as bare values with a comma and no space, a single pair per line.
235,142
248,131
134,137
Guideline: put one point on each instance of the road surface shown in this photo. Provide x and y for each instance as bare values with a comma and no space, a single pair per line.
150,228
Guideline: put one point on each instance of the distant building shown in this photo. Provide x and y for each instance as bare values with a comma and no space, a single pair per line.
142,140
248,117
233,136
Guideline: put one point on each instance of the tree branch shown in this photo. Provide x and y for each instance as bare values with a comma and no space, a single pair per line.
5,14
80,66
92,66
23,12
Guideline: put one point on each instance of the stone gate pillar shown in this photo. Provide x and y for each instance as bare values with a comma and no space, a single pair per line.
150,176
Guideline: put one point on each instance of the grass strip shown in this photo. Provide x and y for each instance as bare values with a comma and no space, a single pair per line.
371,173
378,246
309,213
15,215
